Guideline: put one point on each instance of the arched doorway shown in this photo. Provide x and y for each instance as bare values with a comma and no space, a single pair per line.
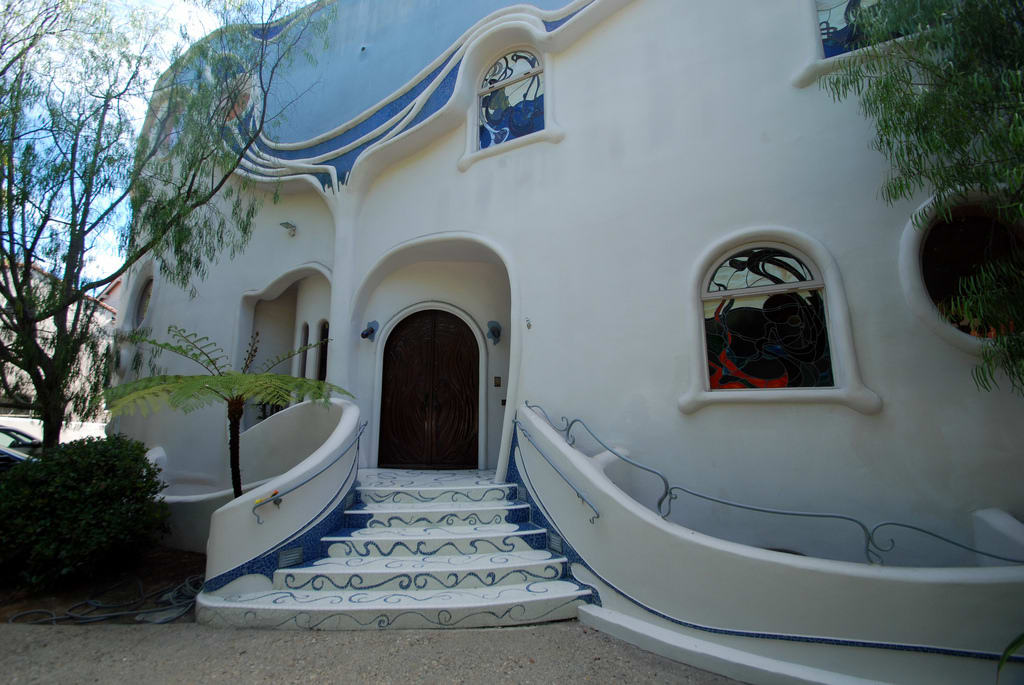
429,412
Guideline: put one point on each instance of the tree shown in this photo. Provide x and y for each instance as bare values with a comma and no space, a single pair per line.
219,384
75,170
943,81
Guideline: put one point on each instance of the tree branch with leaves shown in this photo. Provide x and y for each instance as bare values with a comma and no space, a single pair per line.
78,168
943,81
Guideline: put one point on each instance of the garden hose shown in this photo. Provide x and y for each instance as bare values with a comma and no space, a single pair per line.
160,606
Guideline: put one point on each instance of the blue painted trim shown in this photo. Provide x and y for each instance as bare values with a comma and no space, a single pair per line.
840,642
540,518
308,537
344,163
550,26
382,114
438,99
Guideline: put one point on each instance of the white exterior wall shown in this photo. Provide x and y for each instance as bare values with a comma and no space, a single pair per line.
682,125
275,321
196,444
313,305
677,134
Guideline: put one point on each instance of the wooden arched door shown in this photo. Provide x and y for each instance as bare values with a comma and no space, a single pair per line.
429,397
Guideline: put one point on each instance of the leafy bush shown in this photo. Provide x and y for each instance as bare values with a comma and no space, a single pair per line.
81,508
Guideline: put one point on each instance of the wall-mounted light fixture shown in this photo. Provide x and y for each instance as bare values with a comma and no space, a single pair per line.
290,227
494,331
370,332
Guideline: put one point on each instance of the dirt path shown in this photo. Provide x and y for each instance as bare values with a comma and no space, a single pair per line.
565,652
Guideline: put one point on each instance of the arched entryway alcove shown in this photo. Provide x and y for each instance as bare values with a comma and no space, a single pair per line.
289,313
467,283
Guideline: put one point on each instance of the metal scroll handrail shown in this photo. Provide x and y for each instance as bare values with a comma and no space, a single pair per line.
275,497
664,502
873,548
579,493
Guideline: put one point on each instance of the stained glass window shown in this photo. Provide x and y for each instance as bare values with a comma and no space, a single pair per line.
511,99
765,324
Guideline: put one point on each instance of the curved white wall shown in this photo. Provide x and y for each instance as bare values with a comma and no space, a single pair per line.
663,585
317,436
196,443
313,305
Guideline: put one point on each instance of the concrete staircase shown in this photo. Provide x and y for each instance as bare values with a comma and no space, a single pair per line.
419,549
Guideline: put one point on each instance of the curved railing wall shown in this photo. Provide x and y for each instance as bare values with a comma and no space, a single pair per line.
243,542
281,441
267,450
875,543
661,574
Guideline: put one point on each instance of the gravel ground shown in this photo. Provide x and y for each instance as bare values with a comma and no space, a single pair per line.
190,653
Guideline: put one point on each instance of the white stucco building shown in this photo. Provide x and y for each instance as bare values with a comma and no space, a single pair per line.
645,214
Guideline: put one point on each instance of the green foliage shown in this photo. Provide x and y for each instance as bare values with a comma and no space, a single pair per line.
943,80
188,393
1016,645
219,384
947,98
81,508
993,301
79,172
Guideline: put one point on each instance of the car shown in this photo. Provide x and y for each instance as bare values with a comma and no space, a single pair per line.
19,440
10,457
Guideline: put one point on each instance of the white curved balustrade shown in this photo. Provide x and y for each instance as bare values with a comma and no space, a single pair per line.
750,612
236,534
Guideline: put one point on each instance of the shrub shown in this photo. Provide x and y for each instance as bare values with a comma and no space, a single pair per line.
81,508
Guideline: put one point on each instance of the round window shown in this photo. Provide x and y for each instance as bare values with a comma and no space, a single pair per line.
958,248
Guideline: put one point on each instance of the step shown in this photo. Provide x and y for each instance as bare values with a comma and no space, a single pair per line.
422,572
408,478
432,540
465,494
505,605
399,486
435,513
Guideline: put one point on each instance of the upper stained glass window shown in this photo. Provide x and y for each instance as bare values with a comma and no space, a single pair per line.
765,324
511,98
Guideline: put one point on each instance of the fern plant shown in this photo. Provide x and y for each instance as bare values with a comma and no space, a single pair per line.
220,383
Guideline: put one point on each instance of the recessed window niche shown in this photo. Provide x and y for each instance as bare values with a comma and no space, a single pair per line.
935,257
957,248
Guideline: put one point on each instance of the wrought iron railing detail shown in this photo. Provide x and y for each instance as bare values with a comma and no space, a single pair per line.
579,493
276,497
664,502
873,547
